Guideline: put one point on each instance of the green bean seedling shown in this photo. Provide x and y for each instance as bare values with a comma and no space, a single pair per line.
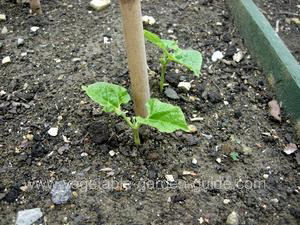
162,116
189,58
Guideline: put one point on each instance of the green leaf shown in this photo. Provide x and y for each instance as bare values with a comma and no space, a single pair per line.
234,156
154,39
109,96
192,59
164,117
170,44
189,58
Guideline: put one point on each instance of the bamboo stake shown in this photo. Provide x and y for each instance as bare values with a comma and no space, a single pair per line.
136,53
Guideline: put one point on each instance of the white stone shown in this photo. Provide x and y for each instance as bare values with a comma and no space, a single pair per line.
34,29
232,219
28,216
2,17
218,160
201,220
23,54
274,200
106,40
4,30
170,178
192,128
112,153
266,176
186,85
6,60
53,131
237,57
20,41
194,161
149,20
226,201
196,119
84,154
216,56
99,4
76,59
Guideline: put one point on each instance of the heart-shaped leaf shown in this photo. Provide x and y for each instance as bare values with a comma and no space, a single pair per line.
170,44
190,58
109,96
164,117
154,39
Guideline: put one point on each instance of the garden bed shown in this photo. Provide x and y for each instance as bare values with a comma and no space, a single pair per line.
228,104
284,17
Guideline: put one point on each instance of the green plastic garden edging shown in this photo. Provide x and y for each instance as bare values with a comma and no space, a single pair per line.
281,68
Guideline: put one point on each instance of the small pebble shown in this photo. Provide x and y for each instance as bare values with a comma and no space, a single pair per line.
170,178
194,161
84,154
247,150
274,200
2,17
76,59
29,137
185,85
28,216
4,30
112,153
53,131
6,60
218,160
170,93
60,192
192,128
216,56
232,219
106,40
99,4
20,41
226,201
266,176
34,29
149,20
201,220
237,57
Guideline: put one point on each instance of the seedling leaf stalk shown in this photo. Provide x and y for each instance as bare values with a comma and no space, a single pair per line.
162,116
189,58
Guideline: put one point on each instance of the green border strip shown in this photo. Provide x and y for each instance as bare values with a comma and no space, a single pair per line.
281,68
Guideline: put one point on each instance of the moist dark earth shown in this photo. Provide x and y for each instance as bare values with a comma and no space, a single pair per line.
228,104
283,16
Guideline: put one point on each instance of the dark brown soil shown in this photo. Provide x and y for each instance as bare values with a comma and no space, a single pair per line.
281,14
43,90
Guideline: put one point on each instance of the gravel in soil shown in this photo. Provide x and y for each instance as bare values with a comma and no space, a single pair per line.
231,168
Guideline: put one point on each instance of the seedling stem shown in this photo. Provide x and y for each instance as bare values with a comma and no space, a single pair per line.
164,62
